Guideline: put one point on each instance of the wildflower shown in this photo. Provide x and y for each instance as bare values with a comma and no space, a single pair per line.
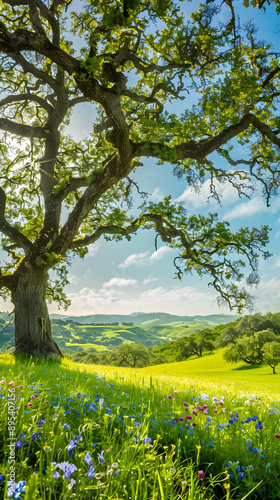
175,392
115,465
101,457
32,397
277,436
41,422
221,403
200,408
185,404
70,447
35,435
16,489
91,473
88,459
169,396
11,383
67,468
66,426
147,440
56,475
201,474
18,444
46,402
71,483
30,405
2,381
194,412
1,478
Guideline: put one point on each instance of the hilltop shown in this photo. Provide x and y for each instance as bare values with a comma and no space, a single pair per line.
104,331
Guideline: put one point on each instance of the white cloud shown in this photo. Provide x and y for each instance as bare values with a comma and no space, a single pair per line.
157,194
146,281
119,283
158,254
184,300
198,198
135,259
277,263
93,249
144,259
249,208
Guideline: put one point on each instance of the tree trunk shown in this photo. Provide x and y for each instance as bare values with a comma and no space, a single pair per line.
32,323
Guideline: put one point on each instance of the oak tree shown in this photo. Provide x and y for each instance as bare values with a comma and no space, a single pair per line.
132,60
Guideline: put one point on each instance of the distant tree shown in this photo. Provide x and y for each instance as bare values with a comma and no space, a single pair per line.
195,345
129,355
271,354
58,196
248,342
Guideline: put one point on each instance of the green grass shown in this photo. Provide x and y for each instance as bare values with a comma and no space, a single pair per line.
132,419
215,370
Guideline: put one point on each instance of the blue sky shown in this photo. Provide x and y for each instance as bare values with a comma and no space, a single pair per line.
129,277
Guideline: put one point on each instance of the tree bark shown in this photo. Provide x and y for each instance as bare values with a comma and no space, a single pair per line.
32,323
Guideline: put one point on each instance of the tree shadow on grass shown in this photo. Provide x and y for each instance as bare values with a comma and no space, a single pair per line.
246,367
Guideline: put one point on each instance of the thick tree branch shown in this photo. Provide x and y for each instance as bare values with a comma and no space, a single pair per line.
199,150
27,97
24,130
11,232
270,76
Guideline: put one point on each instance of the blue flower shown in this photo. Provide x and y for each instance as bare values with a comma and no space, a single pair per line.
41,422
100,456
70,447
67,468
56,475
241,476
18,444
88,459
66,426
91,473
16,489
147,440
1,478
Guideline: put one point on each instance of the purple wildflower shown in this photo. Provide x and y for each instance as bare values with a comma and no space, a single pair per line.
147,440
67,468
88,459
70,447
91,472
101,457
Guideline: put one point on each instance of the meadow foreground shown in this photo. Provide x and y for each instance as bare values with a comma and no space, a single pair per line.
100,432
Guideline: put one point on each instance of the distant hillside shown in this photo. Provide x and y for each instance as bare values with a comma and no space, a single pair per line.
139,319
102,332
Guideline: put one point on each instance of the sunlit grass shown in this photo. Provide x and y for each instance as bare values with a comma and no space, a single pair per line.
162,437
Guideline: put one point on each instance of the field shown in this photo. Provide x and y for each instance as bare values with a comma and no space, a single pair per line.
76,334
199,429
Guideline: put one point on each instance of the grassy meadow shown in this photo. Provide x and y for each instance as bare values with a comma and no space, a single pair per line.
198,429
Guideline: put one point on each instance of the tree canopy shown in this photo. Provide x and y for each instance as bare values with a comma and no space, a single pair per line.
132,59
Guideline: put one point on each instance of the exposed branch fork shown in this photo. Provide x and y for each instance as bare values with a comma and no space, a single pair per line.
11,232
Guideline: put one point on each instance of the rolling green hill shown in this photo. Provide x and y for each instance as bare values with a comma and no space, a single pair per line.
139,328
